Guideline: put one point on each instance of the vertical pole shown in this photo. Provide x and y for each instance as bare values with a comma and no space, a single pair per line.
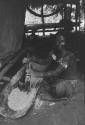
79,15
76,15
76,18
43,20
84,12
70,11
65,16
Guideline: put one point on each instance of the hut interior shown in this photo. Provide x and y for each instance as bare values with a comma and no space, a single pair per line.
42,62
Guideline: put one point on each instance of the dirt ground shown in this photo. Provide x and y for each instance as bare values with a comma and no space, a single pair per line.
69,112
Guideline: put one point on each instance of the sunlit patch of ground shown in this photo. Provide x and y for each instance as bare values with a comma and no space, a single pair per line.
65,112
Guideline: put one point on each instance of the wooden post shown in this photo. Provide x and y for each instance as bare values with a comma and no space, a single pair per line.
84,13
76,15
43,20
71,11
65,16
79,15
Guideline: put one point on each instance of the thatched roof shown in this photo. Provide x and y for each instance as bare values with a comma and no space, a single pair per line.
38,3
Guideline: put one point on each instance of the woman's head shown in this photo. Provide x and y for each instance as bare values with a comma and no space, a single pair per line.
60,40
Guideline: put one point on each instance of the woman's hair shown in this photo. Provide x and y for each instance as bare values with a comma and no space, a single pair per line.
60,40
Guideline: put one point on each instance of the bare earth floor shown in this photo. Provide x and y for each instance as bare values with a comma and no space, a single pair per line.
71,112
